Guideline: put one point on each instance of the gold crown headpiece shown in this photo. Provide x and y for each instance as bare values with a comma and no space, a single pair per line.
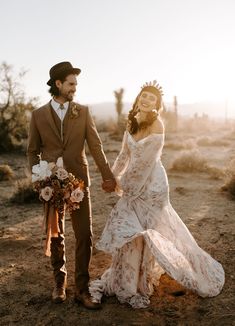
154,84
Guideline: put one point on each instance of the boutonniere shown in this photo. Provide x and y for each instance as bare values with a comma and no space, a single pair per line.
75,111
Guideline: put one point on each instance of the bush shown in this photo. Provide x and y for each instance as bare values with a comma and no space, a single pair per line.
230,135
24,193
14,110
6,172
107,125
229,185
230,169
190,161
189,144
215,173
193,161
208,141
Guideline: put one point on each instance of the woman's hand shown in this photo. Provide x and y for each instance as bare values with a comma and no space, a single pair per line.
109,185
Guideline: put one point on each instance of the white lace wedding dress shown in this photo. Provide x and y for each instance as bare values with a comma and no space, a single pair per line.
145,235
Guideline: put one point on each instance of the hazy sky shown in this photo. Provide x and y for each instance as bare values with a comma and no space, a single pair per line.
187,45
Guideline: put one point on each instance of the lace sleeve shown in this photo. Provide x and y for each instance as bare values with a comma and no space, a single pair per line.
122,159
144,158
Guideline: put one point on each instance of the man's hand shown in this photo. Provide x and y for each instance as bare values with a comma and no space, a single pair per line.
109,185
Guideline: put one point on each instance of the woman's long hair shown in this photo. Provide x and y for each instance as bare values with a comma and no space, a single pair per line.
132,124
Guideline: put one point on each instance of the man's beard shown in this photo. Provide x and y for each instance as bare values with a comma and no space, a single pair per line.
68,96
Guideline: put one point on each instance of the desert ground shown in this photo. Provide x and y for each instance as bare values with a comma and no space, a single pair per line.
26,279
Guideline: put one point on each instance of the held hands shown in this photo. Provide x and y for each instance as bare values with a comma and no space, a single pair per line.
109,185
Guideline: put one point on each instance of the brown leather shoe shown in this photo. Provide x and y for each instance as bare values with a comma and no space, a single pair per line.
58,294
86,299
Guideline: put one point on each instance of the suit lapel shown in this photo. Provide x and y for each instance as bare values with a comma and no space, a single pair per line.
51,120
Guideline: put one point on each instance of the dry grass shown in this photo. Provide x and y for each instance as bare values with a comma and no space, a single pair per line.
215,173
230,135
109,125
229,185
188,144
193,161
6,172
24,193
190,161
208,141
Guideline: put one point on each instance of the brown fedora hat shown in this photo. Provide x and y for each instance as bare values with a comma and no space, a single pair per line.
60,69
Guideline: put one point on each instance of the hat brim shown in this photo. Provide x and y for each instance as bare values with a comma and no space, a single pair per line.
75,71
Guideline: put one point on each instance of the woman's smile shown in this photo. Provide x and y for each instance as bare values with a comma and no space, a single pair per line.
147,101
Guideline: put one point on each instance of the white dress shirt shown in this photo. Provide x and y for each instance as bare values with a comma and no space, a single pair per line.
56,106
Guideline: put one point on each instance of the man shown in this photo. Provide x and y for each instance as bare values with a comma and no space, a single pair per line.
60,129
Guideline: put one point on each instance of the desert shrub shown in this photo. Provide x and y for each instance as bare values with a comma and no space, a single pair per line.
117,134
13,128
108,125
230,135
24,193
114,128
229,185
193,161
208,141
14,109
6,172
215,172
190,161
188,144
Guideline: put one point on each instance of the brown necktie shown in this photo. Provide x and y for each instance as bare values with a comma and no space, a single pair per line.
61,107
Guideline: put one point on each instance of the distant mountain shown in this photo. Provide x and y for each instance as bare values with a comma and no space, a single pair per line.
212,109
107,109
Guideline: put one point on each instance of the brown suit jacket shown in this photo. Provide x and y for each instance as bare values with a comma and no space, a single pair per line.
45,139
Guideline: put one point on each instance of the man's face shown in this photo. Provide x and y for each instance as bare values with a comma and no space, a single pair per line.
68,87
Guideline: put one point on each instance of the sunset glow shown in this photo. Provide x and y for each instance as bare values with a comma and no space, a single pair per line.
188,46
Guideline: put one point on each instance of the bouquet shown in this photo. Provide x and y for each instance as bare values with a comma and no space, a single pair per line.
59,190
55,185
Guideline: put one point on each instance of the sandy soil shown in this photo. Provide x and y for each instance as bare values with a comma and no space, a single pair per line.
26,278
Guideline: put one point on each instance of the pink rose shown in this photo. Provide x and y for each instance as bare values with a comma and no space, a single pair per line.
61,174
46,193
76,195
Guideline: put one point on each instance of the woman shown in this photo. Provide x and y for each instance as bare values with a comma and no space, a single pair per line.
144,234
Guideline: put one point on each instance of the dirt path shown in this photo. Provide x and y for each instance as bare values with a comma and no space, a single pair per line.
26,278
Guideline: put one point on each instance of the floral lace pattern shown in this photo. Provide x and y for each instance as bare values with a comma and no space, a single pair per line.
145,235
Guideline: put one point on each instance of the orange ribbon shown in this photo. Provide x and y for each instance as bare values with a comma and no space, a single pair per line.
51,223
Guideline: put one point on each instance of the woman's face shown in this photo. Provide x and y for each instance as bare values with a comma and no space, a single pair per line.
147,101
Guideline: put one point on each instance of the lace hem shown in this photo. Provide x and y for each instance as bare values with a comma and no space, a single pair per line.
97,289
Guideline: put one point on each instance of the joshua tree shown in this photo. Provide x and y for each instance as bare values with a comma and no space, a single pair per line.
119,104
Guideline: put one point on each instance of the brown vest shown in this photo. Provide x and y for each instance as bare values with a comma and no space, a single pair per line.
58,121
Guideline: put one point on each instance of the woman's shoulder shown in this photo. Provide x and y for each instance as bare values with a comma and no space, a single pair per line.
157,126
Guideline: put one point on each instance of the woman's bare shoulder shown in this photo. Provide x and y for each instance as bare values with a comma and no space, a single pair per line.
157,126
